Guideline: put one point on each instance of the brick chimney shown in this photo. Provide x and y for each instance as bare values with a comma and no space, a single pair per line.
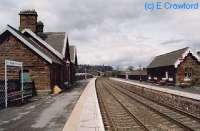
28,19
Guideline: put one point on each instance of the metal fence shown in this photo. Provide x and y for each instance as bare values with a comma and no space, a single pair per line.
14,92
2,94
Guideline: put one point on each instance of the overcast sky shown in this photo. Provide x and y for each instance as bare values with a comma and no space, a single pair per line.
112,32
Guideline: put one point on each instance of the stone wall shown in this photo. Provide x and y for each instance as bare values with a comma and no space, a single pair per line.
189,62
186,104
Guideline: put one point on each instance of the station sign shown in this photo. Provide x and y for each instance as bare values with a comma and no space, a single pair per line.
13,63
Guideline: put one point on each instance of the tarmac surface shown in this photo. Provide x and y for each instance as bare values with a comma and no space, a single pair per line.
47,113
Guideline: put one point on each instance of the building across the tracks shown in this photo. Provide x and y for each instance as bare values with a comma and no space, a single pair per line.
134,75
178,67
46,56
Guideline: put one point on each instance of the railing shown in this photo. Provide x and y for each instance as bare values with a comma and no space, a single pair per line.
14,92
2,94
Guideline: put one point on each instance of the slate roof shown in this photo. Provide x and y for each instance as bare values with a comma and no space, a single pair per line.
53,47
40,40
45,51
138,72
135,72
167,59
55,39
73,54
38,46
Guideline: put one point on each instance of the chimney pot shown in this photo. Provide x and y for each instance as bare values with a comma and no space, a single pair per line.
40,27
198,53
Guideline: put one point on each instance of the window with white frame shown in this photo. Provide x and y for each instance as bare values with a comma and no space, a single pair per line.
188,73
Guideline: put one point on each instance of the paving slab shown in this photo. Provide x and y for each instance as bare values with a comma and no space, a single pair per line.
162,89
42,113
86,115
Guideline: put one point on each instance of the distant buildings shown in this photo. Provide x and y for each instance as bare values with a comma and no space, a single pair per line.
47,56
178,67
134,75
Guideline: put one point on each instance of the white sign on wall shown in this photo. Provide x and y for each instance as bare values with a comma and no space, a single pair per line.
13,63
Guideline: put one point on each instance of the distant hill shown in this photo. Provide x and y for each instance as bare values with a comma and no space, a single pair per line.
93,68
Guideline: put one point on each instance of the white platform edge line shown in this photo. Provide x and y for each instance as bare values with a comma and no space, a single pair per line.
99,112
175,92
73,123
99,124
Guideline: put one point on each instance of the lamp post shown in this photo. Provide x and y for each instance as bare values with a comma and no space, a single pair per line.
140,68
85,73
68,67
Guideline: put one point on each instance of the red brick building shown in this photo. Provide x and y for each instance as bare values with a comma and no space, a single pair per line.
46,56
179,67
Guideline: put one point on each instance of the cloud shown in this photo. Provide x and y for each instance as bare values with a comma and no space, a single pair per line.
112,32
172,42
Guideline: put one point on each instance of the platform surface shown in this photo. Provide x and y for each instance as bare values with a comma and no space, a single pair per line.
162,89
86,115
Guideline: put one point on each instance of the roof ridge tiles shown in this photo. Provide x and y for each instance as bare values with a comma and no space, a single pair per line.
185,48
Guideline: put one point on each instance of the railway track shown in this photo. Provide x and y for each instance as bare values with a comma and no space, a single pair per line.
130,88
115,119
145,114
